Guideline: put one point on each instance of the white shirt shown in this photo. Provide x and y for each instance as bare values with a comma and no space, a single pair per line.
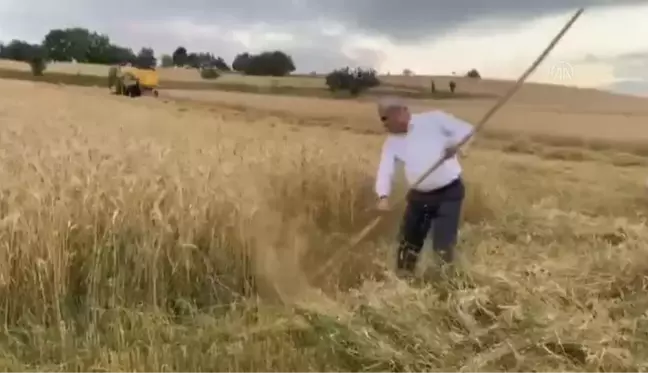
428,135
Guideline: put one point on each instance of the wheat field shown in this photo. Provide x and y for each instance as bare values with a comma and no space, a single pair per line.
568,115
184,235
398,82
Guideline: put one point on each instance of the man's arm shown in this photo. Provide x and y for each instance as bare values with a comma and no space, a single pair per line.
455,129
385,171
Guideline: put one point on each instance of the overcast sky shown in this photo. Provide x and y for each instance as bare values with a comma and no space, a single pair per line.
498,37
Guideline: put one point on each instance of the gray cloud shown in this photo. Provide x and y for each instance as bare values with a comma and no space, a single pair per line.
630,73
629,66
418,19
630,87
322,53
408,21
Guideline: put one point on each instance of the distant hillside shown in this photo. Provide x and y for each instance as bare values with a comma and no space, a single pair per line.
630,87
548,95
556,97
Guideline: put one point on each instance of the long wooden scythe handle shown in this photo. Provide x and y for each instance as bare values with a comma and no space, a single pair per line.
503,100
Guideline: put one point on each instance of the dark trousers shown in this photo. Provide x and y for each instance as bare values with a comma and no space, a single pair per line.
438,211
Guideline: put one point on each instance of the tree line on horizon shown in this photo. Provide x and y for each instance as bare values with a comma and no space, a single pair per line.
84,46
77,44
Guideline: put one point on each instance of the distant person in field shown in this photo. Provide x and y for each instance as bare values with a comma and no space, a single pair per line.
418,141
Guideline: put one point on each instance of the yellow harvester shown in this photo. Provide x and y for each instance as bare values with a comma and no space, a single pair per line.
132,81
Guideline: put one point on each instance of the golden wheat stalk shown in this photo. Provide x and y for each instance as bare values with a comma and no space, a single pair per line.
503,100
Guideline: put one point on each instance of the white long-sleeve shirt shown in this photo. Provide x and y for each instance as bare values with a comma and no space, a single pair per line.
428,136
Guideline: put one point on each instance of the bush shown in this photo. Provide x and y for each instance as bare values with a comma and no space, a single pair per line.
353,80
473,74
166,61
38,65
209,73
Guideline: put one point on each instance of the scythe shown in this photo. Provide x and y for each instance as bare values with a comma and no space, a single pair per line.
356,239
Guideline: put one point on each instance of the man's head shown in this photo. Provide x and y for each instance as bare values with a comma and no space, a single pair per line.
394,114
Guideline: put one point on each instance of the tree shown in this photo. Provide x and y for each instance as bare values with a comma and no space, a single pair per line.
408,72
203,60
57,45
166,60
241,62
81,45
69,44
20,50
220,64
274,63
354,81
119,55
193,60
102,51
180,56
209,60
473,74
77,44
146,59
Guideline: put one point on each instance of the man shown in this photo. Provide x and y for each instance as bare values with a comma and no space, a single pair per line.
419,141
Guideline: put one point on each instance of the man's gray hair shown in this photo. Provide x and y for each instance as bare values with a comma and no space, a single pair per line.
389,102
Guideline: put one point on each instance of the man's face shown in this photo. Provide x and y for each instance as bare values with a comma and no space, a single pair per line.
396,119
